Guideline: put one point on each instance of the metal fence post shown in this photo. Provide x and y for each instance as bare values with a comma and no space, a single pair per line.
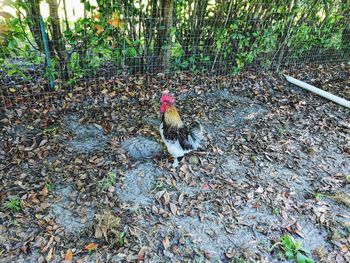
47,53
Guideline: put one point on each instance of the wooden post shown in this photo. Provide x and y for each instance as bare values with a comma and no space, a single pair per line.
165,38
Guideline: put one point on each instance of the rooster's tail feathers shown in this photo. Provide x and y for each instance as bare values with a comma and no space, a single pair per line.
197,133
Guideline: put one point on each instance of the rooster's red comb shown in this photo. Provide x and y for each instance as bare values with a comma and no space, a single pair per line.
166,97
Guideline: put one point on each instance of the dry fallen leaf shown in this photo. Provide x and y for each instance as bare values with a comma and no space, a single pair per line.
43,193
344,248
205,187
141,254
90,247
181,198
69,256
299,233
98,232
166,197
49,255
173,208
166,242
155,209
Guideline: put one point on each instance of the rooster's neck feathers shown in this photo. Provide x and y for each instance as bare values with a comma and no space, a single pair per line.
172,117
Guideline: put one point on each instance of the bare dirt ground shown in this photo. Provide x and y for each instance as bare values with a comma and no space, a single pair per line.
94,172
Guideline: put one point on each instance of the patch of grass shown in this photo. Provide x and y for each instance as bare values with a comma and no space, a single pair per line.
311,151
108,221
136,212
49,186
108,181
347,179
341,197
14,223
318,196
276,211
346,229
51,130
293,250
281,131
159,186
13,204
121,239
238,260
109,227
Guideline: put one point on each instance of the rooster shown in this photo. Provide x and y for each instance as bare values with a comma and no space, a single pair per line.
178,138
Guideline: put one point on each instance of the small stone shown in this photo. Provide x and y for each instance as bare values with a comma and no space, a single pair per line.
141,147
111,189
260,190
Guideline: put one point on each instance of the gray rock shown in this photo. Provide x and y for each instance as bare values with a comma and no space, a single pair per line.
141,147
87,137
138,184
67,216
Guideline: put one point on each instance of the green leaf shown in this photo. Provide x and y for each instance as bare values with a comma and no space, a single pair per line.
11,72
303,259
289,254
297,245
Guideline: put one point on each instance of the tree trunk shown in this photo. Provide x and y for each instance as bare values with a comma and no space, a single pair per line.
164,39
65,15
200,13
57,39
33,12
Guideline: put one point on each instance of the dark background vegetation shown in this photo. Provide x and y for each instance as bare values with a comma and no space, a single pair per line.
122,37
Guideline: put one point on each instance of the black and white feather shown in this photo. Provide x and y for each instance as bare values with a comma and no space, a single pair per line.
182,139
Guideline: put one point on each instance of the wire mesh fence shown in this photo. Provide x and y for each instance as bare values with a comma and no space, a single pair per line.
49,61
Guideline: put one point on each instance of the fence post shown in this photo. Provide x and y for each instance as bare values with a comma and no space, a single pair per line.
47,53
165,37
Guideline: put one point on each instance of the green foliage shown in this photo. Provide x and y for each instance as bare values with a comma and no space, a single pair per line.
239,260
121,239
218,35
347,179
159,186
51,130
293,250
107,181
49,186
13,204
12,38
276,211
317,196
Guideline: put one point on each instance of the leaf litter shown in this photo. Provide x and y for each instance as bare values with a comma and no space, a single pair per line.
275,162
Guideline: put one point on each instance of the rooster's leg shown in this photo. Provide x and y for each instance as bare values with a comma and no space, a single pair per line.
175,163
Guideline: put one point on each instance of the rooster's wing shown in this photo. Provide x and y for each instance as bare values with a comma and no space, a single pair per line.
183,135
